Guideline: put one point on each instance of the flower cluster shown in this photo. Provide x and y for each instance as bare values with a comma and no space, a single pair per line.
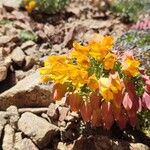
99,84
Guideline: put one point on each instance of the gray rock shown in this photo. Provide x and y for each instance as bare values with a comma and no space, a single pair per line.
37,128
13,116
6,39
53,112
27,44
28,92
27,144
18,56
29,62
3,73
3,121
11,4
18,141
8,140
138,146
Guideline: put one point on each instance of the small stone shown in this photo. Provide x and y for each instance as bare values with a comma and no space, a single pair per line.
37,128
27,44
19,74
3,73
11,4
63,111
53,112
22,26
18,56
18,140
13,116
5,39
3,121
30,51
8,140
27,144
29,62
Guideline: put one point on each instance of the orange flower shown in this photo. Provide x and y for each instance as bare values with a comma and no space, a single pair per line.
30,5
93,83
109,61
130,66
100,46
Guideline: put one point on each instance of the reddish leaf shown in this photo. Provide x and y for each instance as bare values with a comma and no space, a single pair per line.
146,100
122,121
147,86
96,118
58,91
127,102
74,101
116,112
132,117
86,111
118,98
95,100
107,116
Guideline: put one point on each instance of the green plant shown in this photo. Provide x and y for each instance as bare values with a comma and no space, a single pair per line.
130,9
144,121
47,6
28,35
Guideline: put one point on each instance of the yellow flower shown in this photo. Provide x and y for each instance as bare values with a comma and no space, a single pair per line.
55,69
30,5
80,48
81,54
77,75
100,46
130,66
116,83
105,88
110,86
109,61
93,83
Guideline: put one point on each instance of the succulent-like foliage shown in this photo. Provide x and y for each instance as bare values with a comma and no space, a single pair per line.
139,41
143,24
47,6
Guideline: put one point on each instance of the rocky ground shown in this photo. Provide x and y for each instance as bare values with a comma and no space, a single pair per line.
28,117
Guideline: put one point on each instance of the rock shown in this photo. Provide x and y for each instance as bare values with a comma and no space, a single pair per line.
19,15
63,111
26,144
30,51
27,44
29,62
33,110
13,116
8,140
49,30
19,74
138,146
18,56
18,141
53,112
28,92
3,121
37,128
22,26
3,73
6,39
11,4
